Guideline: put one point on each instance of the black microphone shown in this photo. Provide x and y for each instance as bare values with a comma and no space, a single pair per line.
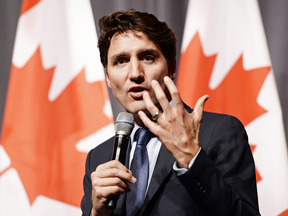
123,127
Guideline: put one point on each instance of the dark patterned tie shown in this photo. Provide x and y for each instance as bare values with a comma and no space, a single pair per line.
140,168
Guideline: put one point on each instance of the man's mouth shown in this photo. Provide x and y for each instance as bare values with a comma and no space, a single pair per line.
137,92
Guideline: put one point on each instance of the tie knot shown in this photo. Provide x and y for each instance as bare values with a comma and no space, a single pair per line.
142,136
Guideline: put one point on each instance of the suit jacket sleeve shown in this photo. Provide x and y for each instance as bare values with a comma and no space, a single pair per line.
222,178
95,157
86,203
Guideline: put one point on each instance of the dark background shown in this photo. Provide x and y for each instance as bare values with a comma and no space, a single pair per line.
274,15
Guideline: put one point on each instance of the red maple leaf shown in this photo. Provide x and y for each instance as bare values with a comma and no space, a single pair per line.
27,5
237,93
40,136
285,213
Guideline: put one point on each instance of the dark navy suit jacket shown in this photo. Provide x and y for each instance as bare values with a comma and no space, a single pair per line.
220,182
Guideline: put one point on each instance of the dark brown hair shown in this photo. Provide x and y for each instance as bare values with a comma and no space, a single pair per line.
156,31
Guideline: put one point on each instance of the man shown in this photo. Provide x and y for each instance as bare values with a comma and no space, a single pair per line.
193,170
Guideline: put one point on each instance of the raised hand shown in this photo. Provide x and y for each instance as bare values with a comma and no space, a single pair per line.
177,129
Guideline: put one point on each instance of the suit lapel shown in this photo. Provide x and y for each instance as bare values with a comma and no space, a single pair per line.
162,169
164,166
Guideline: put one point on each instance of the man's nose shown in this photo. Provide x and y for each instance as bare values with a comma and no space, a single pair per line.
136,71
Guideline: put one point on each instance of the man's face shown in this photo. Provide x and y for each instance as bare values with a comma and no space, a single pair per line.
133,62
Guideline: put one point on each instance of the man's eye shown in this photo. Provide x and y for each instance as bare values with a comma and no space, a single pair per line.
120,61
148,58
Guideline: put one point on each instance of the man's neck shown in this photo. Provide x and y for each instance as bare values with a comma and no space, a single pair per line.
138,121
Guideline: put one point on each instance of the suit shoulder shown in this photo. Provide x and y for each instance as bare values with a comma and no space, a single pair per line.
101,153
103,146
217,127
218,118
214,118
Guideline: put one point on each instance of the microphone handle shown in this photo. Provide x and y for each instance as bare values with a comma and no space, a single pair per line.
112,202
119,153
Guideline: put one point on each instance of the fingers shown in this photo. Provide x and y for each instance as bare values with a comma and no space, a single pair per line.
110,178
114,169
160,95
110,185
107,180
198,109
162,98
176,128
173,91
168,114
150,106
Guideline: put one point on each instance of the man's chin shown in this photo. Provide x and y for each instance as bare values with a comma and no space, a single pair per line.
140,106
136,107
135,111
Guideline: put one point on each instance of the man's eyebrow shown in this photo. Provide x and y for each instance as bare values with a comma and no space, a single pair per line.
149,51
139,52
118,55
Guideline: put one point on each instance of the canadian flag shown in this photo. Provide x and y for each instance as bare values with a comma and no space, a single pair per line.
57,109
224,54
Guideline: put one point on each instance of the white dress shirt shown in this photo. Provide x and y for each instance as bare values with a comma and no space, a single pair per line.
153,148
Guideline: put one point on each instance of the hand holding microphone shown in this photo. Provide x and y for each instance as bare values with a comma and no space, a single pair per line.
105,186
124,125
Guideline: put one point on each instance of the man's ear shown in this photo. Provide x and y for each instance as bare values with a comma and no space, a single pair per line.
172,75
107,79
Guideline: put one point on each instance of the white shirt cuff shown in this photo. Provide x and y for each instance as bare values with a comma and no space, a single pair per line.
180,171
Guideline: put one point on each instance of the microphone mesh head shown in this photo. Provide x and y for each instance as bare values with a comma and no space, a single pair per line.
124,123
